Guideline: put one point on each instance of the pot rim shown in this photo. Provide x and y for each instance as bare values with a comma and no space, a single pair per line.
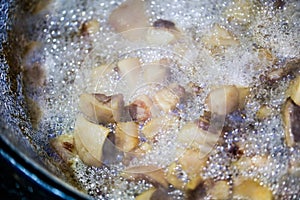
35,172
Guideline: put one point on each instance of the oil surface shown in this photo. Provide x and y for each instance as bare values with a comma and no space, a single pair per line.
69,57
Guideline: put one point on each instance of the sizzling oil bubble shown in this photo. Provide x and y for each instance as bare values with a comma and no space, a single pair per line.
68,58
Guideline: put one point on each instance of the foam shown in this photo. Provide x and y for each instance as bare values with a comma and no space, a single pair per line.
68,59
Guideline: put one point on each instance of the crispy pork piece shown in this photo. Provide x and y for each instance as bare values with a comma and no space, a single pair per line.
89,139
100,108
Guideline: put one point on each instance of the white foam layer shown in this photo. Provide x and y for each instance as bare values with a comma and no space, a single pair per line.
68,59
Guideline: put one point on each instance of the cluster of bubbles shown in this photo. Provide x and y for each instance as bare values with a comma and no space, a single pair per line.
67,56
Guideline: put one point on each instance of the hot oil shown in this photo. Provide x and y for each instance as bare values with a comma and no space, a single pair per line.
69,58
